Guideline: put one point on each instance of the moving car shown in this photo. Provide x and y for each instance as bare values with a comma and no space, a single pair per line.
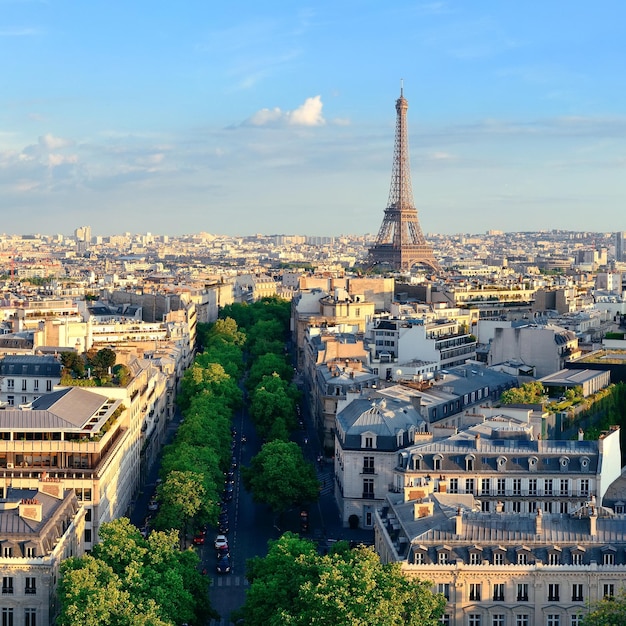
221,541
223,565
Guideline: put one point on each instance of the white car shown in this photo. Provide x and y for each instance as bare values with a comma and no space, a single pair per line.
221,542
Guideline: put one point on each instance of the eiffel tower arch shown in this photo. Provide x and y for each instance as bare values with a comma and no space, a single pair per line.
400,243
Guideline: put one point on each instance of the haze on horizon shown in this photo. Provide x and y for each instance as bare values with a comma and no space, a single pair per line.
279,117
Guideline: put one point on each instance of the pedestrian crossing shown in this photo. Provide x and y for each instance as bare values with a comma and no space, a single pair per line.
325,477
229,581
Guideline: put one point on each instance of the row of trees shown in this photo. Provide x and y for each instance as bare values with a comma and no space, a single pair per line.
295,585
279,475
132,580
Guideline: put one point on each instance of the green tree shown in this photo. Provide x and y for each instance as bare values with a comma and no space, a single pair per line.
101,362
266,365
609,611
129,580
273,408
182,496
294,585
280,476
73,363
528,393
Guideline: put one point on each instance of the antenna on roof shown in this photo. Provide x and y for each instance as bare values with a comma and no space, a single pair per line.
401,87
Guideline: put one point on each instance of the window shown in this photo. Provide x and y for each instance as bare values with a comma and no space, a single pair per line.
498,592
474,592
497,619
7,617
608,591
31,585
469,465
368,464
584,487
577,593
532,487
24,385
548,487
608,558
475,558
498,558
368,487
7,551
87,535
442,558
522,619
577,558
7,584
564,508
522,558
576,620
501,487
454,485
445,619
11,400
553,592
10,383
469,485
444,589
516,506
473,619
30,617
36,384
30,552
369,442
88,514
485,506
517,486
553,619
437,463
554,558
419,558
564,488
485,486
48,385
522,592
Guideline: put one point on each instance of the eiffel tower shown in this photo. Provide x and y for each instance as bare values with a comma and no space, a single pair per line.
400,243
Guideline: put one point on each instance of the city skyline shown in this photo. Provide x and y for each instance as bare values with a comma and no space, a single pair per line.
280,119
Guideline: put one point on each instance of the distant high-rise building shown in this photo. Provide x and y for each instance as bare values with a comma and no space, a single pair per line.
620,246
400,243
83,233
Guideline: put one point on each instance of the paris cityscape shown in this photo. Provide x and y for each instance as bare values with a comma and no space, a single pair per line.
237,387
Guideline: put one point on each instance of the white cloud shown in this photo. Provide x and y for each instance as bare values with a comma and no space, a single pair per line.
50,142
60,159
307,114
265,116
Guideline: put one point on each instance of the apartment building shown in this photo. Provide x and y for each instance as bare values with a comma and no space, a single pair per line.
24,378
522,540
38,529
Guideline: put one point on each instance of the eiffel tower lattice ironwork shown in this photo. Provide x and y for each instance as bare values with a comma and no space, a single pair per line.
400,243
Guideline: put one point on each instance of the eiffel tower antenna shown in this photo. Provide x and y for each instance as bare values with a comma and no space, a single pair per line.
400,243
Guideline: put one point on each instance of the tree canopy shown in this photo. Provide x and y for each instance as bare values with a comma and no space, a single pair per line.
280,476
132,581
610,611
295,585
528,393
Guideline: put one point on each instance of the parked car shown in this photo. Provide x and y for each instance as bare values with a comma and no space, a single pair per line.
153,505
223,565
220,542
198,540
223,528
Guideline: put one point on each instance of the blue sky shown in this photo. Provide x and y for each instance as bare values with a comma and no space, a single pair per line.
278,116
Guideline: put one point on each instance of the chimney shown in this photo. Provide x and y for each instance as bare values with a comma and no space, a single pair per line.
477,441
538,522
30,509
593,521
458,522
581,434
499,507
